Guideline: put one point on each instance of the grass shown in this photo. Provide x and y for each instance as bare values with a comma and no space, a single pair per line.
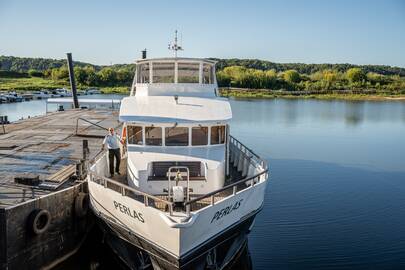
29,84
115,90
261,94
36,83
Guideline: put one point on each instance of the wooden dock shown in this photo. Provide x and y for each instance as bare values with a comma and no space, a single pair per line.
42,167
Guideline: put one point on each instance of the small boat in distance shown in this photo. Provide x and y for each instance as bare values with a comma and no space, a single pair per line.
61,92
92,91
43,94
189,191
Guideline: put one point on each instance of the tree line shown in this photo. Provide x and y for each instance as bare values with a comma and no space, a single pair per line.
255,74
328,79
89,76
23,64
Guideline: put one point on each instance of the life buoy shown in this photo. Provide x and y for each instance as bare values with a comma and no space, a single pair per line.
81,204
39,221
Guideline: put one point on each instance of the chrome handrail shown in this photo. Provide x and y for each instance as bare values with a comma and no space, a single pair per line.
169,172
125,188
254,178
250,181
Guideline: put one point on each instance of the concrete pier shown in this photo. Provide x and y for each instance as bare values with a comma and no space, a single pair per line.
44,215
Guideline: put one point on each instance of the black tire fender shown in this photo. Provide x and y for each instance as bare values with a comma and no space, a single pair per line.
39,221
81,204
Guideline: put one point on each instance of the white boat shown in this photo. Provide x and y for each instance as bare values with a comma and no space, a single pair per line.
43,94
61,92
187,186
92,91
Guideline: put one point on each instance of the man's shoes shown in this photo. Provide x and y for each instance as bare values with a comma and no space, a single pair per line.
118,173
111,175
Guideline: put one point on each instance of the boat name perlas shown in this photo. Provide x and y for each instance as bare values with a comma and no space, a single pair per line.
227,210
126,210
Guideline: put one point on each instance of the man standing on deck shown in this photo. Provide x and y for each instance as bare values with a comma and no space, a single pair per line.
112,141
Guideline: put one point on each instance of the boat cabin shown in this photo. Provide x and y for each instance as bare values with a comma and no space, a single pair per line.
175,76
175,123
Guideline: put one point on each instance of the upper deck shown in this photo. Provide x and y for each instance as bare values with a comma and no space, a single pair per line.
175,76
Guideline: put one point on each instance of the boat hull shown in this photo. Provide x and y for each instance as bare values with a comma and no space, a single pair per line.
128,246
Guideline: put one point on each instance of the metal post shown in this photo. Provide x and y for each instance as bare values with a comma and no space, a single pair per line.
85,149
146,200
72,80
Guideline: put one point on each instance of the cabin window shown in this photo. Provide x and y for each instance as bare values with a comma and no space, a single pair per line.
188,72
153,135
217,134
143,73
199,136
208,76
135,135
176,136
163,72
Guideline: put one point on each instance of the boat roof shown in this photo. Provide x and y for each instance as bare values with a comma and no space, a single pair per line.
165,109
176,59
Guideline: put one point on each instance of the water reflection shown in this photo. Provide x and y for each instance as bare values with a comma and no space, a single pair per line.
365,134
294,111
354,112
320,215
95,254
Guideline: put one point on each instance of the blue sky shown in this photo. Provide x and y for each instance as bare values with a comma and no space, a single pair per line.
104,32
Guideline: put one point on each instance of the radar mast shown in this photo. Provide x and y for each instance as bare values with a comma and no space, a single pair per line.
174,46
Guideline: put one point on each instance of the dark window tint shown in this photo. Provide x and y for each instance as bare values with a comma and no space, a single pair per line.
177,136
153,136
217,134
199,136
134,135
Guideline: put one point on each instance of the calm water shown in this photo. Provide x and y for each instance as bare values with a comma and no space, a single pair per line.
336,199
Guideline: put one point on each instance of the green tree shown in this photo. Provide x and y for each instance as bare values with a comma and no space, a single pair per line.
92,78
80,75
35,73
355,75
376,78
61,73
107,76
291,76
223,79
124,76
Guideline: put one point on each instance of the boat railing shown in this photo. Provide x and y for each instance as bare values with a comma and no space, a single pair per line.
247,163
252,168
147,199
125,190
89,122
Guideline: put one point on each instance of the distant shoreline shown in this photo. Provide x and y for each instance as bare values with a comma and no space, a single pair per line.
35,84
322,95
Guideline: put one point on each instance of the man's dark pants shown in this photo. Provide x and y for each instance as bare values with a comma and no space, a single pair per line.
111,154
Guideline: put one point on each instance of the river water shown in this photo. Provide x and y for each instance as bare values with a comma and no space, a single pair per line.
336,199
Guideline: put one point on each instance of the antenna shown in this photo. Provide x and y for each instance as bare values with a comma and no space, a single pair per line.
174,46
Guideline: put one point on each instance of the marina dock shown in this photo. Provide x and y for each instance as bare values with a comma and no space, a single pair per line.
43,195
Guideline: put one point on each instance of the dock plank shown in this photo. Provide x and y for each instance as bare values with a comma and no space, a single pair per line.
49,147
